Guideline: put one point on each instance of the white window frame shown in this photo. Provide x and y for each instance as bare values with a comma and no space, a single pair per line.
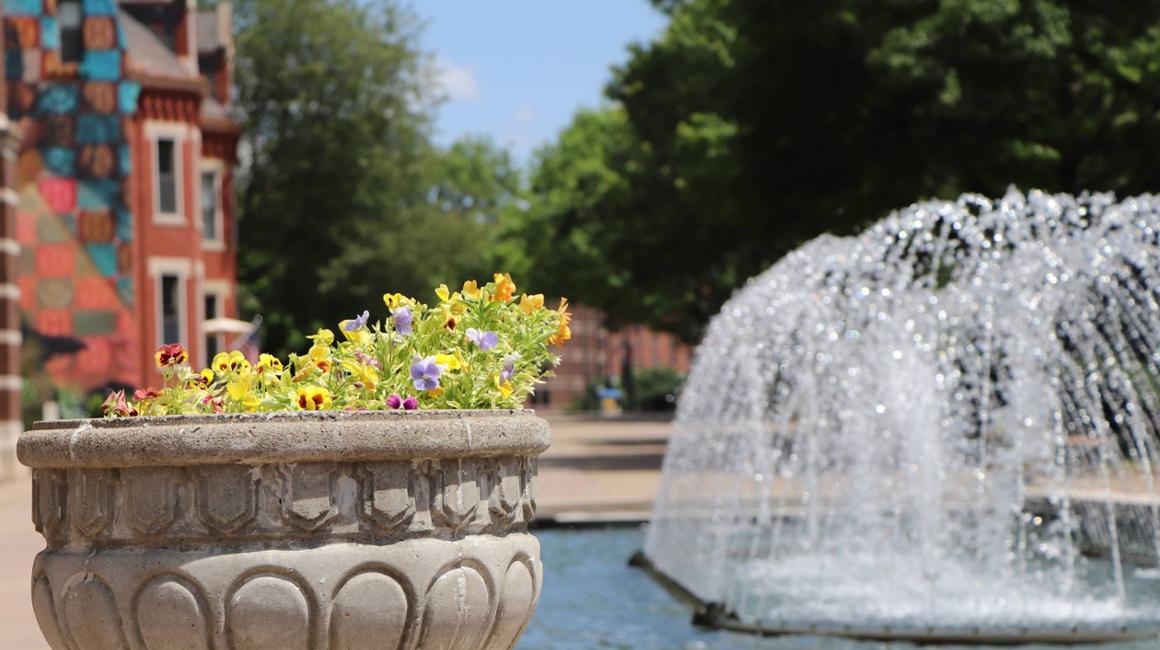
217,168
182,269
180,134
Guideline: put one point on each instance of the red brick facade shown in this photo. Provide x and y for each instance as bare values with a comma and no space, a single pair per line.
596,353
10,424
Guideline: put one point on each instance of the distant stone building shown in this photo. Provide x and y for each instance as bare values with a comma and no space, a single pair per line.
10,424
124,181
596,353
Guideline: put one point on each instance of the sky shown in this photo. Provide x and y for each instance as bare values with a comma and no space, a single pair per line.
518,70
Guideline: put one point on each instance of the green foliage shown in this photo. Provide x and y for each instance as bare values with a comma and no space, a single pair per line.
657,388
342,192
751,126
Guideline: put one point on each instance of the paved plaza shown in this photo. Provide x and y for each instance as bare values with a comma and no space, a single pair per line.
597,470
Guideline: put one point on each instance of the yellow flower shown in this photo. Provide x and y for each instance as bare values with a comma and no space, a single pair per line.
312,398
251,403
505,387
504,287
366,375
394,300
529,304
563,330
201,380
227,362
268,363
471,289
435,392
449,361
359,337
443,292
238,388
323,336
319,352
306,371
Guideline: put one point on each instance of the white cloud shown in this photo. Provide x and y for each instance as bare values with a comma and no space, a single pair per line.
458,82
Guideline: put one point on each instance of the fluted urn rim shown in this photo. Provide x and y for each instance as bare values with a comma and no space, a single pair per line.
283,437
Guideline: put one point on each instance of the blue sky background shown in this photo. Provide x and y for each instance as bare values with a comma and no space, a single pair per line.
518,69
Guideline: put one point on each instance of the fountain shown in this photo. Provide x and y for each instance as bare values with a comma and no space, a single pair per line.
944,429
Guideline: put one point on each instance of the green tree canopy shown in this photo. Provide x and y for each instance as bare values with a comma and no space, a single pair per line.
343,195
750,126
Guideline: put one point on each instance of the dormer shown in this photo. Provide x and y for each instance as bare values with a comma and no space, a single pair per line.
173,22
215,50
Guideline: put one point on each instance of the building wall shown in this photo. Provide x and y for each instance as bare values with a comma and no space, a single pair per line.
93,249
10,424
596,353
166,244
72,220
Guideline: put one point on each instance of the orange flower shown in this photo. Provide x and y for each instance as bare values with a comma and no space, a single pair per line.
504,287
564,329
170,354
529,304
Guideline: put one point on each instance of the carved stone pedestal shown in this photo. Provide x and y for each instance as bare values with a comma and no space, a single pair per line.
287,532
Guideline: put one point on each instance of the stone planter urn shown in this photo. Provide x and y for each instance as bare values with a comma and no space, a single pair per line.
286,531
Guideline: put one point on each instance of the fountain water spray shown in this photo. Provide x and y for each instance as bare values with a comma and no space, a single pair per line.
924,431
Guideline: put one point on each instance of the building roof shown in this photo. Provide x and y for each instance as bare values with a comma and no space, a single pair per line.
148,53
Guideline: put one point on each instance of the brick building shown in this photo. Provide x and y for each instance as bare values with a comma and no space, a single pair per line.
596,353
124,182
9,295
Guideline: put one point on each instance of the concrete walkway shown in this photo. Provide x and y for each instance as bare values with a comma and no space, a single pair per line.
598,470
19,544
601,470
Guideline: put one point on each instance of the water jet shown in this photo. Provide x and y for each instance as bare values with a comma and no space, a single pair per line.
943,429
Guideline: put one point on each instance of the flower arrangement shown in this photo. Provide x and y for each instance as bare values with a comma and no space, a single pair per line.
479,347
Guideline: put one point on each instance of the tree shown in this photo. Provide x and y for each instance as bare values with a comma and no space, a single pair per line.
336,110
344,196
751,126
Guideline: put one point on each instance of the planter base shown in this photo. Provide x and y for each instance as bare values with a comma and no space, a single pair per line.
477,592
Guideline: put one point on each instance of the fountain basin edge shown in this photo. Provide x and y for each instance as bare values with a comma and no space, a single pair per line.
714,616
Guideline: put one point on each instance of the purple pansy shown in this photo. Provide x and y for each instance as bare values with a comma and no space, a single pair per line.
402,317
357,323
425,373
509,366
407,403
485,340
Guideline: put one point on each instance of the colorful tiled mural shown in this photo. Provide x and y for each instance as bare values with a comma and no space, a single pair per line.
96,87
73,222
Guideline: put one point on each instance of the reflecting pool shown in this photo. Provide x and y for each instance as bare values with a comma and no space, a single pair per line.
593,599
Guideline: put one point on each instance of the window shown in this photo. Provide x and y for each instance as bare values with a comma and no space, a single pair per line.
171,308
213,342
167,176
68,17
209,207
